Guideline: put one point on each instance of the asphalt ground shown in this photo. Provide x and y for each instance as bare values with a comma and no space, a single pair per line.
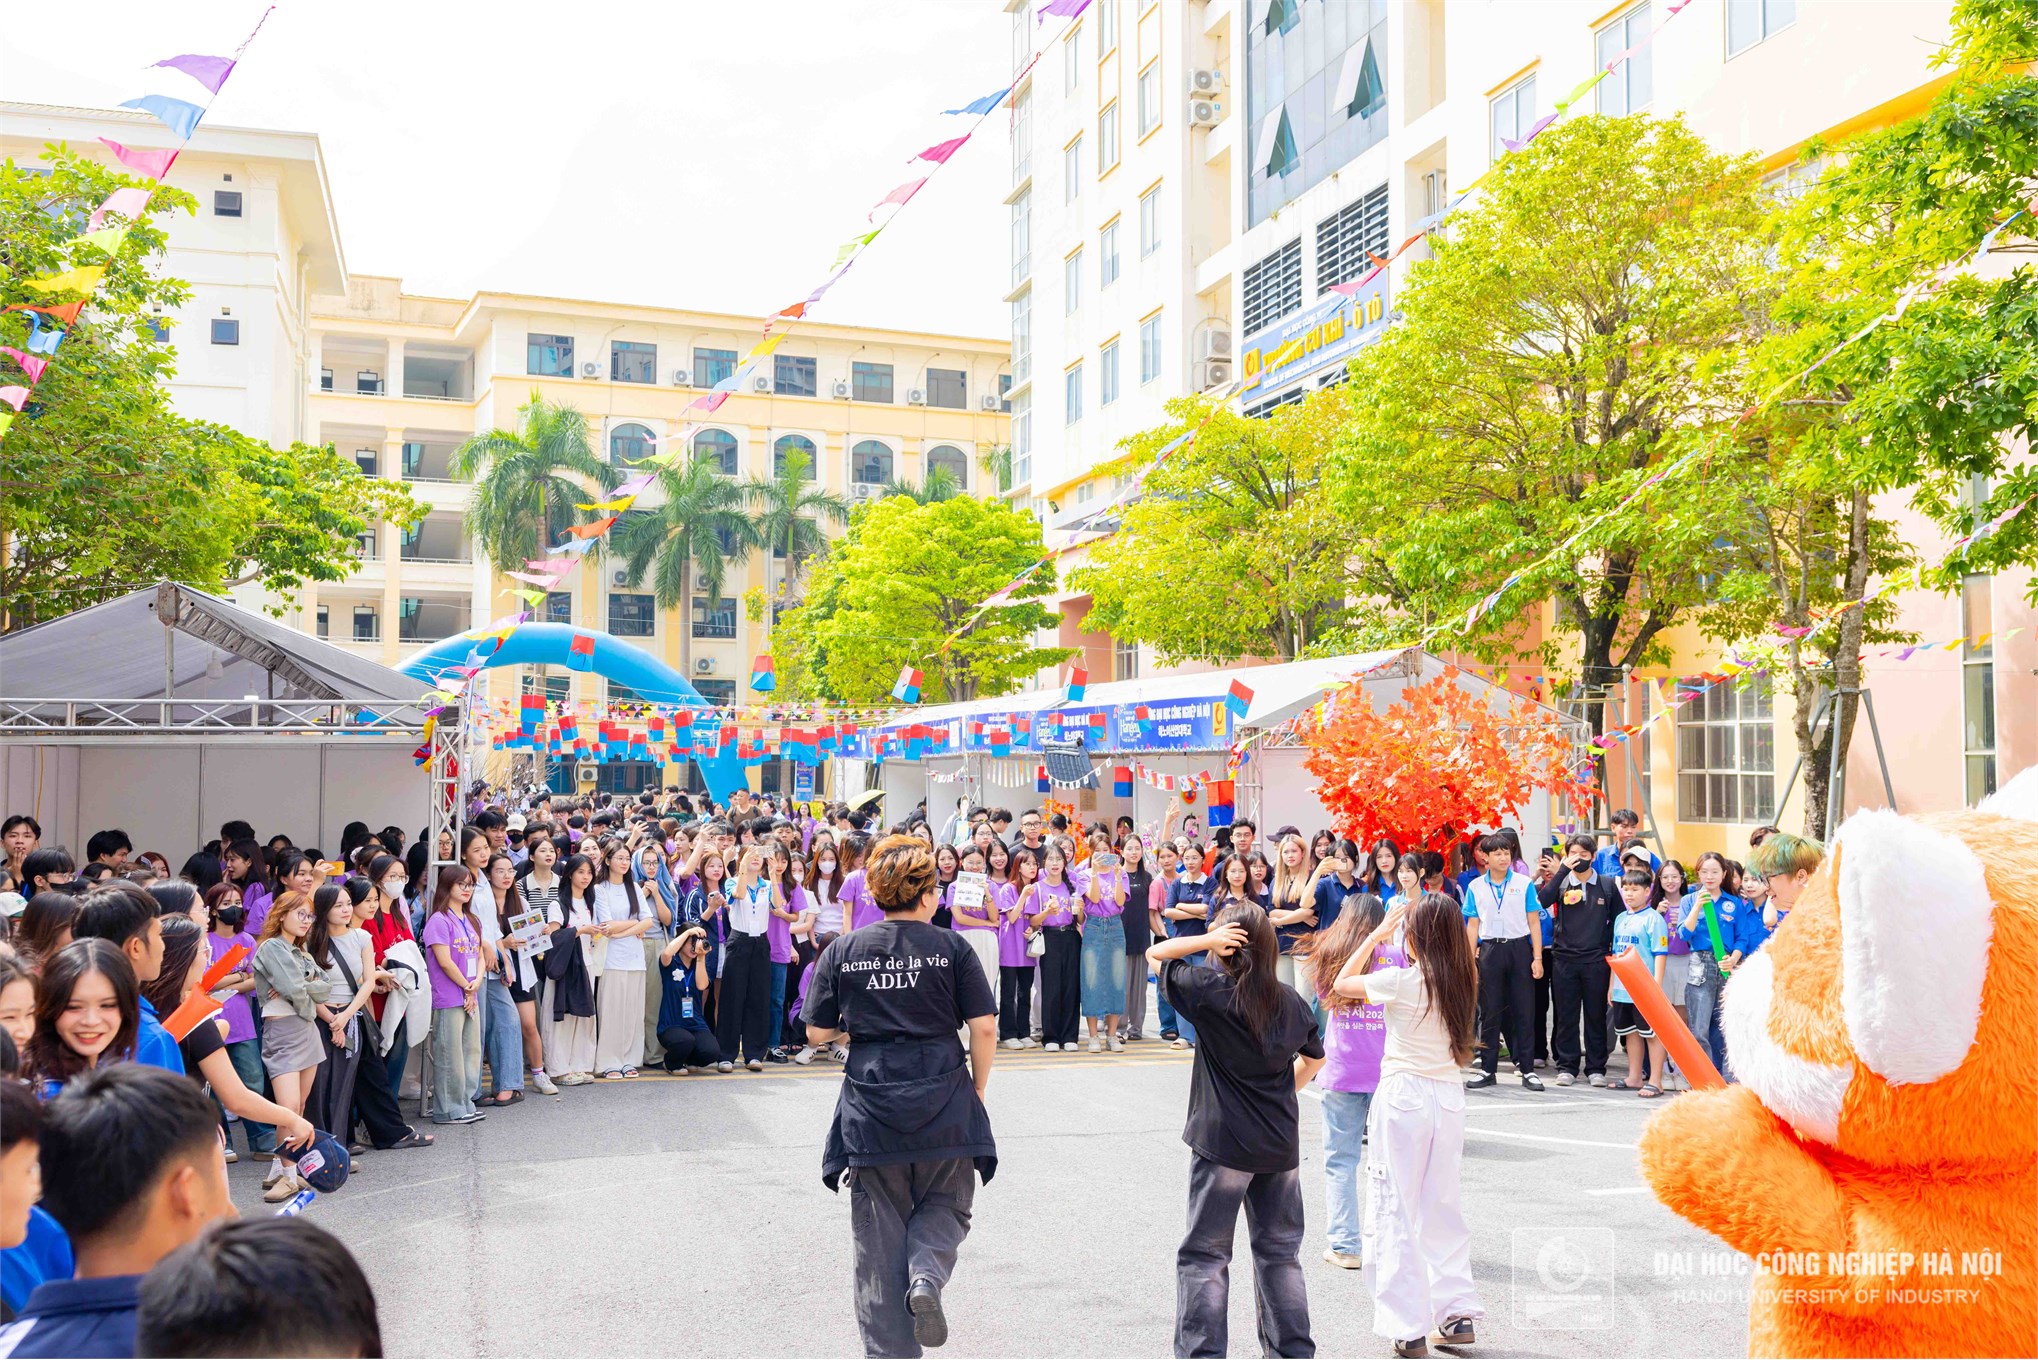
684,1216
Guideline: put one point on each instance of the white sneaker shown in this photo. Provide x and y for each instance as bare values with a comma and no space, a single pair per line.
805,1055
1597,1079
1117,1045
1014,1043
1050,1048
1096,1045
1029,1042
543,1084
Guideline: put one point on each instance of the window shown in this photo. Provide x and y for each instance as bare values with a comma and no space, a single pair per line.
366,460
1022,136
368,382
559,606
159,329
1750,21
1726,754
1107,375
1347,240
1283,15
631,615
1022,337
631,443
1315,81
722,692
1072,283
794,377
793,445
1514,113
1150,98
325,621
714,618
1107,26
1978,686
632,362
948,387
1072,171
719,447
1124,660
368,544
1005,393
557,688
1072,395
1150,348
1361,92
367,627
1022,438
1107,254
1107,137
1071,63
711,366
1626,88
870,463
1273,287
870,382
325,375
1022,237
1150,221
548,356
226,203
226,330
1276,154
950,459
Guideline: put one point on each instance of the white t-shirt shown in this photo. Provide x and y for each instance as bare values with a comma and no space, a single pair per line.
1418,1043
828,911
1503,912
612,903
483,908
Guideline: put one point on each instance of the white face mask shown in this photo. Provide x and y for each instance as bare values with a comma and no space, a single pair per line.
827,866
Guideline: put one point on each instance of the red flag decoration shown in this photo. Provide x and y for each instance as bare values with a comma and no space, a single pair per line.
1040,784
1239,699
1121,781
762,677
580,653
1219,811
1079,680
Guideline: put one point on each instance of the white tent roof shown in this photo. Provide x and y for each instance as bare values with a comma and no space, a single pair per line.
116,651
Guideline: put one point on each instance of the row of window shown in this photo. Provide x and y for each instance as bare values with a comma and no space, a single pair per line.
871,461
633,361
1108,269
1107,373
636,615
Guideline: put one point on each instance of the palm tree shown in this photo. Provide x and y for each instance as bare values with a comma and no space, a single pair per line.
695,533
789,508
996,459
524,485
941,485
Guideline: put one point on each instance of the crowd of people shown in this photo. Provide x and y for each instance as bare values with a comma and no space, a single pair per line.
559,941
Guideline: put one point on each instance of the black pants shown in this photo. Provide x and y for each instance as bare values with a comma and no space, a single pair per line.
330,1106
1015,1002
686,1048
1273,1225
1506,1001
907,1221
1541,1039
793,1032
1061,985
375,1100
745,1012
1579,985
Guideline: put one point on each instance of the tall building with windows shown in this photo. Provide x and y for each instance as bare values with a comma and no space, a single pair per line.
1260,152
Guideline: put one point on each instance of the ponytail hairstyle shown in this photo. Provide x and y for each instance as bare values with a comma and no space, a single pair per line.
1435,934
1251,967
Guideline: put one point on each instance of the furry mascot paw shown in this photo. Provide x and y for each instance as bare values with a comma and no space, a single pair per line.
1879,1158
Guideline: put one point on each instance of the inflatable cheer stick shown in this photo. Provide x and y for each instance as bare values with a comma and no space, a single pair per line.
201,1003
1684,1050
226,964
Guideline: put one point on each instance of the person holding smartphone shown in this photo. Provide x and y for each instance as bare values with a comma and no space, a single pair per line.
1584,904
1105,890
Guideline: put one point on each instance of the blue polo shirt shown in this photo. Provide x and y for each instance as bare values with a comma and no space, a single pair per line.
153,1044
1607,862
82,1318
1750,934
1728,908
44,1254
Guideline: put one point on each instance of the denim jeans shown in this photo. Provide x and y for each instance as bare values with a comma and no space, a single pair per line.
395,1061
246,1056
778,976
1344,1132
1702,1007
456,1060
502,1039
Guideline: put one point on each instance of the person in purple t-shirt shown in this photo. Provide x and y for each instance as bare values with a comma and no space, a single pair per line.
452,941
1016,964
225,929
1354,1037
1104,888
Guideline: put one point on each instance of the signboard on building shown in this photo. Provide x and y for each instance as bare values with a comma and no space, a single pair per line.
803,781
1311,340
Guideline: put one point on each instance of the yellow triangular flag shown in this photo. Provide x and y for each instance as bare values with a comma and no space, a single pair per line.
106,239
82,280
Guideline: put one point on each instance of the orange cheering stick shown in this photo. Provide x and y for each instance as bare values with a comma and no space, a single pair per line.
201,1003
1684,1050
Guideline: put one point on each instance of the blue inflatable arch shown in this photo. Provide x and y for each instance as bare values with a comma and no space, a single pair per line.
545,644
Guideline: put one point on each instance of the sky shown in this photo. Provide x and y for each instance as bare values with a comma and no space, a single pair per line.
692,153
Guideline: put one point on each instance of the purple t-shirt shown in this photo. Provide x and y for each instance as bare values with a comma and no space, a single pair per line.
451,929
255,900
779,934
863,908
983,908
1354,1037
1110,897
1053,899
240,1016
1011,928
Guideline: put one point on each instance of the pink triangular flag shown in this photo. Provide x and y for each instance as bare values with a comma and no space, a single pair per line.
941,151
154,164
17,397
29,363
129,203
899,195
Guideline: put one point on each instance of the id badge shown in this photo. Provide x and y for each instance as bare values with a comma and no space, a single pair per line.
686,1008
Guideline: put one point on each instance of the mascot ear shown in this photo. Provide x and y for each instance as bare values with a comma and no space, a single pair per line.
1915,920
2018,798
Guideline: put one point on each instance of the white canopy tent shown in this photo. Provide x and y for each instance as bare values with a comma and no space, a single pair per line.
168,711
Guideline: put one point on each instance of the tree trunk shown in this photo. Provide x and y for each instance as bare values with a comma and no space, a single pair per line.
1839,735
686,618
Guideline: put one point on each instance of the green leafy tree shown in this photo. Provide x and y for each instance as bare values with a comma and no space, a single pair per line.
104,488
1231,550
941,485
902,580
691,537
790,508
1548,362
529,481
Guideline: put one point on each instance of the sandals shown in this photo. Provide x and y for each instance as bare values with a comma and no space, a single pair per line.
507,1098
1650,1090
413,1139
629,1072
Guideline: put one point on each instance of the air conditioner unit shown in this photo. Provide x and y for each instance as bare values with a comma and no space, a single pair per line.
619,577
916,396
1206,82
1214,343
841,388
867,491
681,377
589,369
761,383
1205,113
989,401
704,665
1215,373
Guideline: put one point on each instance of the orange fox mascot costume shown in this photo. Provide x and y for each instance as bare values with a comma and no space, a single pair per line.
1879,1158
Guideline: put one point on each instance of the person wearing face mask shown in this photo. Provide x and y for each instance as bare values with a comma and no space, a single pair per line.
1583,904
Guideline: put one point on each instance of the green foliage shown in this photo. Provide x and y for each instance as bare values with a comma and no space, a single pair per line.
679,541
941,485
789,508
105,488
1230,551
898,583
528,481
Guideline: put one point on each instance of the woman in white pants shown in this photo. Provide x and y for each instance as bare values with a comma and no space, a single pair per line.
1418,1251
621,920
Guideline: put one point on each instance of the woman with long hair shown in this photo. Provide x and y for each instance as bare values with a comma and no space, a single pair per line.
452,942
17,1003
291,988
1049,908
1104,892
1382,863
1257,1047
247,868
290,870
1709,913
383,915
947,864
570,1038
1292,906
791,934
519,979
1417,1247
976,921
1016,964
44,926
621,920
346,959
743,1019
87,1010
224,922
1354,1035
1672,882
1138,920
863,908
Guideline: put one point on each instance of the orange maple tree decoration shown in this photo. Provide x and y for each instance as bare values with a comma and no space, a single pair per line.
1439,763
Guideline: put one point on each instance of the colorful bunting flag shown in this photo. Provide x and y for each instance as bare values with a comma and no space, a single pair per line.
130,203
983,105
762,678
1079,682
1238,699
580,653
143,161
907,690
179,115
211,72
1219,807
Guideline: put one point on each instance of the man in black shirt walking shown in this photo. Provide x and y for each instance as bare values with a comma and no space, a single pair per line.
1583,904
910,1128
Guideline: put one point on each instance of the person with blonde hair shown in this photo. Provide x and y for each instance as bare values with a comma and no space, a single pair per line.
910,1126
